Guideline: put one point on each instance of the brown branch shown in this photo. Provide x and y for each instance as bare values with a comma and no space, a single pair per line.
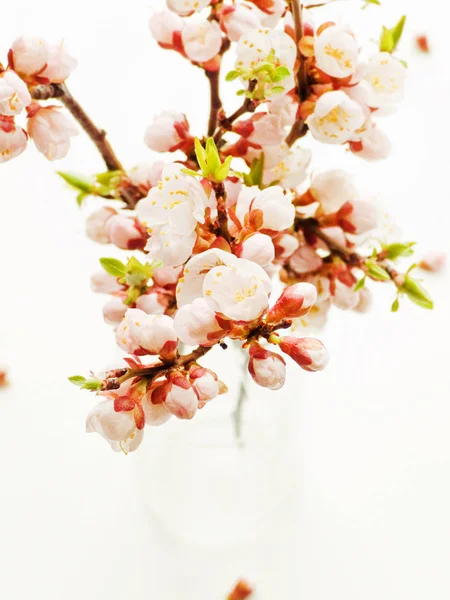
222,215
129,193
216,102
249,105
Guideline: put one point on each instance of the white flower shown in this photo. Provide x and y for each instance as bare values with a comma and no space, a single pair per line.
146,175
205,384
168,130
196,324
384,79
239,293
333,189
336,52
305,260
271,208
60,64
335,118
371,142
269,12
114,310
268,130
117,428
344,297
14,94
187,7
362,216
152,303
287,166
29,55
153,333
237,20
13,142
310,354
201,40
96,224
163,25
155,414
258,248
254,48
122,232
171,212
51,131
104,283
190,285
285,107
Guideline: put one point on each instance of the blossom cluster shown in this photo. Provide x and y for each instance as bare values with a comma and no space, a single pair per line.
209,231
33,62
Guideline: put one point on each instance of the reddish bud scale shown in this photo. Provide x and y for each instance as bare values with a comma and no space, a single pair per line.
242,591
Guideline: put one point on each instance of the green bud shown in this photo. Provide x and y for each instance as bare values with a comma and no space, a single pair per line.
280,73
77,180
361,283
377,272
397,250
417,293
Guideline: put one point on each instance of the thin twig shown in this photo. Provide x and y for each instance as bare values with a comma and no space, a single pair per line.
249,105
130,194
222,215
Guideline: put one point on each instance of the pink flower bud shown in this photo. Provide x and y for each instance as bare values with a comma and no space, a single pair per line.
237,20
233,187
28,55
309,353
152,333
104,283
205,383
165,276
146,176
114,310
332,189
122,232
164,26
117,428
96,224
433,262
168,132
60,64
196,324
14,94
295,301
266,368
344,296
155,414
285,246
51,131
13,141
305,260
262,129
201,40
358,217
153,303
180,398
258,248
364,302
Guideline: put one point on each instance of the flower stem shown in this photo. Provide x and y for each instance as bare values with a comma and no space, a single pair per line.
216,102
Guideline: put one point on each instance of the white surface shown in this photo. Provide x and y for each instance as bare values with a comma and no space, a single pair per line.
376,443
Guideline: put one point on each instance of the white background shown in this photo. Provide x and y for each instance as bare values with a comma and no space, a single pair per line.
375,519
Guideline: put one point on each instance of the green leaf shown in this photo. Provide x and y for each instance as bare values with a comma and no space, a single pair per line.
386,40
78,380
241,93
417,293
114,267
395,305
92,384
397,30
108,177
201,155
232,75
212,155
377,272
222,172
396,250
277,89
361,283
80,198
191,172
137,273
280,73
390,38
